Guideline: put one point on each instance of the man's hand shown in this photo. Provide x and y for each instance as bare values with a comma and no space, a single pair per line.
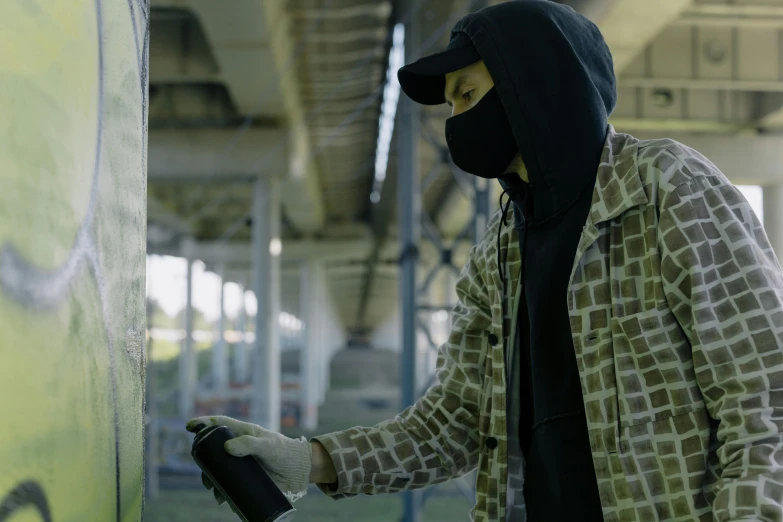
288,462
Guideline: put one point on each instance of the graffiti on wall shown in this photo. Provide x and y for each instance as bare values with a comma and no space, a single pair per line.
73,88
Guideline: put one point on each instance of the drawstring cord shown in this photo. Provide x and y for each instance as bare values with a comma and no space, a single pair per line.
503,223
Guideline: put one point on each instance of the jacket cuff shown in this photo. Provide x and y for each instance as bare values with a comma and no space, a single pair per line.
346,460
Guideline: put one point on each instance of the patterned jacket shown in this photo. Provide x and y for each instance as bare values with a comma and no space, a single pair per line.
676,306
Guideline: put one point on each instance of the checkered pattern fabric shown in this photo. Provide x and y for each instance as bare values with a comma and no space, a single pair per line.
676,306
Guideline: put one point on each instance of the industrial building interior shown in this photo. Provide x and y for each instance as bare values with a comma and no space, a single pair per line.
286,194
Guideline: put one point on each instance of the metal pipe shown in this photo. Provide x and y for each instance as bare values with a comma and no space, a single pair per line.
409,216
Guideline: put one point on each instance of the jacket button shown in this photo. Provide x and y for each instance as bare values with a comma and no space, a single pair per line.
493,339
492,442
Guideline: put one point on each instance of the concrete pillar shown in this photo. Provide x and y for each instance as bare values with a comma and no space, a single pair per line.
187,367
240,348
265,401
773,217
219,353
313,345
409,219
326,340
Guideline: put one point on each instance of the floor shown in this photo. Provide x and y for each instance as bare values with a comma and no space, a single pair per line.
197,505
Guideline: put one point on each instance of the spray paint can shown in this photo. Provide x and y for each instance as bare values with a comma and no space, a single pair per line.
241,480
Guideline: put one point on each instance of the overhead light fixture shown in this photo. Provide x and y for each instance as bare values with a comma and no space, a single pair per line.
391,95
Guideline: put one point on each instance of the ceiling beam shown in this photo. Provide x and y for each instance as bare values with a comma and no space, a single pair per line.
380,9
252,45
677,125
754,22
629,26
193,154
240,42
738,11
673,82
332,250
301,190
333,271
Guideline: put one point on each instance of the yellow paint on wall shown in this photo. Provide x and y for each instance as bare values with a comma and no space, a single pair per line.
70,363
48,118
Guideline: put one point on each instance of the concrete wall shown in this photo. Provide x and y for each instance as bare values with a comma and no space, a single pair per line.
73,84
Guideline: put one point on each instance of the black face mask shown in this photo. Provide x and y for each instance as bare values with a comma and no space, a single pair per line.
480,140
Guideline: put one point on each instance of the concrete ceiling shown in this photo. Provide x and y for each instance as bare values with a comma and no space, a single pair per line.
218,67
292,89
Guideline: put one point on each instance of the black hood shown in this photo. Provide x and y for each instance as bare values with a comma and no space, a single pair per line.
554,74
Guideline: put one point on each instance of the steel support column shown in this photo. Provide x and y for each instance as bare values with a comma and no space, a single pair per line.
187,361
420,308
219,353
311,288
265,401
240,348
409,217
326,326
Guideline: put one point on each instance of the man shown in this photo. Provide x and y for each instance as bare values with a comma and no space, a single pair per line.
616,351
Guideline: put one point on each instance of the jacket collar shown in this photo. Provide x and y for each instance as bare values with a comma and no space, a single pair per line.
618,185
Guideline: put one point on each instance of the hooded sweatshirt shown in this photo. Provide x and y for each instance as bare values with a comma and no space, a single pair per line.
554,75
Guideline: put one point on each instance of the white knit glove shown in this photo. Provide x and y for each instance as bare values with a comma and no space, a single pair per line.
287,461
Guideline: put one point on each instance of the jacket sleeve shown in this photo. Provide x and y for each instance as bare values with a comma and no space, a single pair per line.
725,287
436,439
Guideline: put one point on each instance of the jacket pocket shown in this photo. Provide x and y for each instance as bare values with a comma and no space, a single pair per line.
653,367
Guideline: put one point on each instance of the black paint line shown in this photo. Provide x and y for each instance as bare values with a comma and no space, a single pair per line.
24,494
142,53
135,32
144,76
101,283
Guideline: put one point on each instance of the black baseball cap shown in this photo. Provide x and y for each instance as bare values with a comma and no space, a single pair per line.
425,79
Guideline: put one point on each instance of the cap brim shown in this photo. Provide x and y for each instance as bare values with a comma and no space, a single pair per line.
424,80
